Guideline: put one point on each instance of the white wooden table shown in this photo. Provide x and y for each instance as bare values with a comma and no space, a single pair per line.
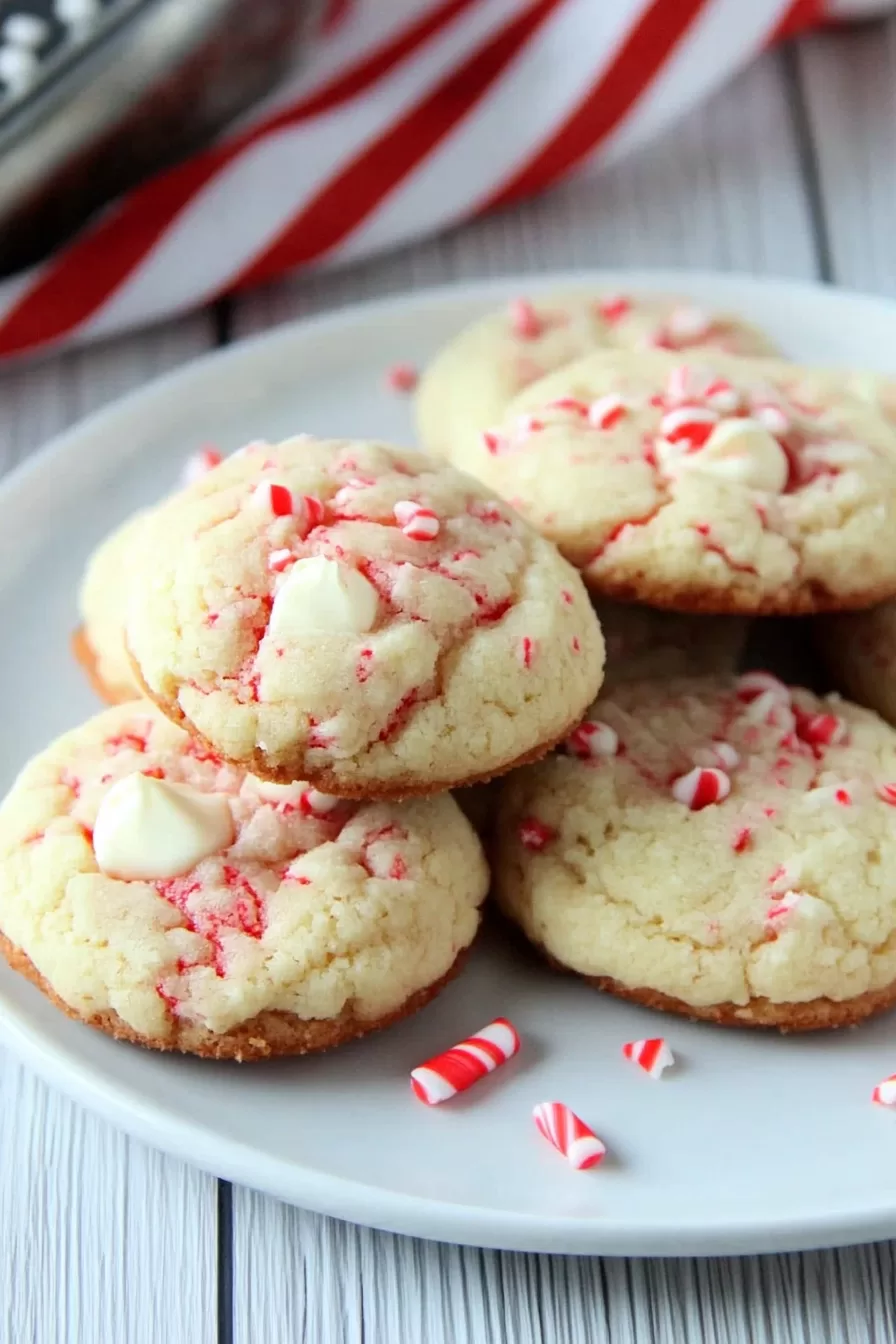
791,171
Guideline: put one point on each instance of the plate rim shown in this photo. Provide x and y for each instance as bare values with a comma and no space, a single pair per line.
309,1188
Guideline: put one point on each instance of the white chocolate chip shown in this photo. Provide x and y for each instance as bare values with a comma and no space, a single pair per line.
321,596
147,828
741,450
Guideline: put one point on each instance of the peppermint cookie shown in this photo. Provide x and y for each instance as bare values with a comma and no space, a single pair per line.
469,385
728,485
721,849
171,900
99,642
359,617
643,643
859,651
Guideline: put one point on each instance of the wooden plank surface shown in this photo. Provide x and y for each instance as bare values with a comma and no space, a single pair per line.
103,1240
848,86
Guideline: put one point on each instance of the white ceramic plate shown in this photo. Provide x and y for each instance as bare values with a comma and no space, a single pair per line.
754,1143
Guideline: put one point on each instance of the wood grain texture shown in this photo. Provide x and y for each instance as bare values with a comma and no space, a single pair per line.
103,1240
848,84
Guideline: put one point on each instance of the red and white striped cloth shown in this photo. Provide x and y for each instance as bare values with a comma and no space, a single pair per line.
409,116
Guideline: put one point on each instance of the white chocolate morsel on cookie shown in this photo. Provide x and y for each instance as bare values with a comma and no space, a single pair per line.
321,596
150,828
386,627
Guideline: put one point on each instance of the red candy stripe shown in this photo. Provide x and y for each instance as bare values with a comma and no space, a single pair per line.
614,307
593,738
315,511
824,730
570,404
885,1092
535,835
689,424
701,787
401,378
443,1076
415,521
607,411
569,1134
525,320
652,1056
276,498
494,443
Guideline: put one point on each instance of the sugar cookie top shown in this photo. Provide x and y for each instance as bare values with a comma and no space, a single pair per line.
719,485
470,383
358,616
716,841
102,601
314,905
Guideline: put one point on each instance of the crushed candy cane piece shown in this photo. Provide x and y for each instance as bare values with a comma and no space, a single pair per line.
593,738
701,787
274,498
569,1134
416,521
524,320
535,835
719,754
607,411
402,377
652,1056
453,1071
200,464
885,1092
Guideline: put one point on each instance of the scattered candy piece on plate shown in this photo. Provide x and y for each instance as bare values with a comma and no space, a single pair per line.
569,1134
652,1056
885,1092
443,1076
402,378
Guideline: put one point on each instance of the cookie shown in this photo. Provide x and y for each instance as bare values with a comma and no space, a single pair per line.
174,901
859,651
643,643
362,618
728,485
724,849
469,385
99,642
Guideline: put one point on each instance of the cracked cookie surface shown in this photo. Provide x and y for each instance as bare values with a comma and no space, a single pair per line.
722,848
722,485
320,920
360,617
470,383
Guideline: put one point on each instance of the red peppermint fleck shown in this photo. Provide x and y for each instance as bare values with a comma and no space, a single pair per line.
527,651
820,729
128,742
607,411
570,404
576,645
485,511
494,443
887,793
614,307
401,377
315,510
280,560
524,320
362,670
689,424
535,835
398,869
567,597
156,772
741,839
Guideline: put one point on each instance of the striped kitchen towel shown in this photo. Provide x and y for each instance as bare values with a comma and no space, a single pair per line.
410,115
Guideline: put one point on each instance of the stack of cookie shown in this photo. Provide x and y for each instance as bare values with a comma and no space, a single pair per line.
713,844
260,856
